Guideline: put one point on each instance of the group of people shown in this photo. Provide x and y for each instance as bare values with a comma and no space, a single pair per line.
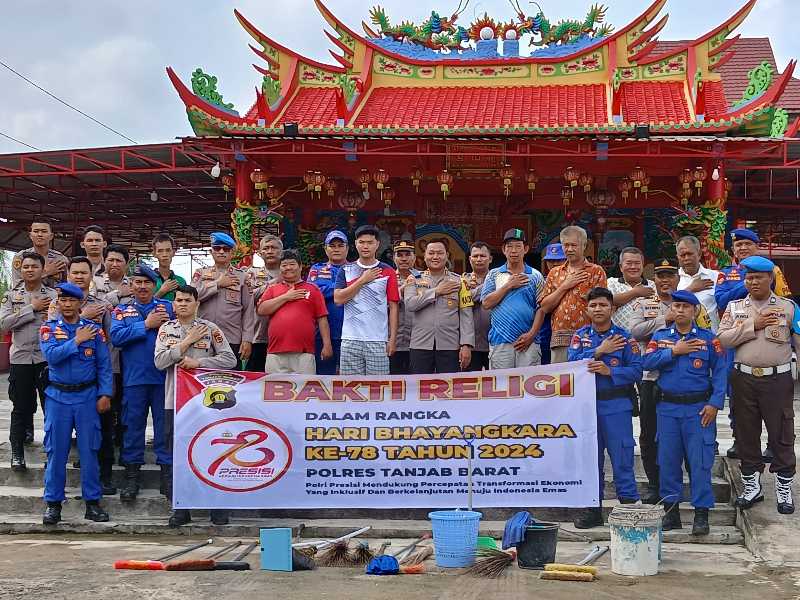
99,345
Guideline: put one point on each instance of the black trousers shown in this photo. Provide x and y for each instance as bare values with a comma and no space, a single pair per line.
648,398
479,361
24,383
768,399
400,363
235,348
434,361
258,358
110,429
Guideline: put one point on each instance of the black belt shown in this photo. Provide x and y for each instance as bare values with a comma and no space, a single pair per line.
684,398
621,391
74,387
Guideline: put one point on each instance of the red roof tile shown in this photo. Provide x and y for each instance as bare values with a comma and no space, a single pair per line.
485,107
312,106
653,102
748,54
716,104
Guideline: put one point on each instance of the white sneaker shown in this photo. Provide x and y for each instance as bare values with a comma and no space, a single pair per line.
752,491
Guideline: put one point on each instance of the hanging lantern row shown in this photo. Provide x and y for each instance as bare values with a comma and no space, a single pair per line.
640,181
445,180
693,179
416,177
260,181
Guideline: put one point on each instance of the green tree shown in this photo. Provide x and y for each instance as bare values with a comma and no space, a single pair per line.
5,271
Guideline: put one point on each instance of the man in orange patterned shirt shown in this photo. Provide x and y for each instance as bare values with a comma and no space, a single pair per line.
565,291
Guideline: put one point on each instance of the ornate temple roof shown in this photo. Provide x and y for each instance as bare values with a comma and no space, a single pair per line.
440,77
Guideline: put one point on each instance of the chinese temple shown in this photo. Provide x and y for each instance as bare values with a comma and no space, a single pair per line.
459,130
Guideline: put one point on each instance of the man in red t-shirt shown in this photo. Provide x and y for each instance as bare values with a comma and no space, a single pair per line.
295,310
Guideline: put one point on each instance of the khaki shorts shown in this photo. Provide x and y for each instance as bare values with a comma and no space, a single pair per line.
558,355
504,356
291,362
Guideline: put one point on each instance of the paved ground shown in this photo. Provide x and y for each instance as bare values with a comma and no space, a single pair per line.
35,567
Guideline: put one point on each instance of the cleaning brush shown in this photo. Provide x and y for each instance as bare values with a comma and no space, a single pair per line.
491,562
417,557
362,555
338,555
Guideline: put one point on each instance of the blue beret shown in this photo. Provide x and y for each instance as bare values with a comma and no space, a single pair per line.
758,264
335,235
555,252
684,296
70,290
744,234
219,238
143,270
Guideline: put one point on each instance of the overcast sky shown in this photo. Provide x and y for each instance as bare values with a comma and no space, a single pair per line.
108,58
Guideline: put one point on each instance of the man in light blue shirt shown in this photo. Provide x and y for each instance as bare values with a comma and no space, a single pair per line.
512,293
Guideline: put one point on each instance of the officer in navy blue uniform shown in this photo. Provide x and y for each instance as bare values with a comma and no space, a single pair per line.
80,387
617,364
692,380
134,328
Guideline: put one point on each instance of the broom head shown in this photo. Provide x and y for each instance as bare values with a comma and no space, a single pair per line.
491,562
362,555
302,562
338,555
140,565
198,564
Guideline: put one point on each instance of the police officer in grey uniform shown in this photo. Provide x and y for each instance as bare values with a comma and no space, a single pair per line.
270,248
404,257
762,328
55,268
443,331
22,312
190,343
226,298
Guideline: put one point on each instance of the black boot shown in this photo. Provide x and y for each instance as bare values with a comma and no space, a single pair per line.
651,496
672,518
18,456
106,480
94,512
131,488
52,513
180,516
627,501
700,525
588,518
733,451
220,517
165,486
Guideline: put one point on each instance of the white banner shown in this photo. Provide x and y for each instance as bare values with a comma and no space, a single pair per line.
250,440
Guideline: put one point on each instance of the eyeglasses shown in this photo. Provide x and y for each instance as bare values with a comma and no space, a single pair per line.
221,248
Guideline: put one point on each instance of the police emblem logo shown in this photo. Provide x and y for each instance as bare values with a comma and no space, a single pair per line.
614,362
697,363
634,346
44,333
720,278
576,342
717,345
17,263
652,346
88,352
217,335
450,303
219,398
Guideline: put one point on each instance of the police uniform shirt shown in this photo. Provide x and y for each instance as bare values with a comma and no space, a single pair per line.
258,280
108,290
212,352
232,308
18,317
768,347
482,318
730,285
441,321
48,280
405,319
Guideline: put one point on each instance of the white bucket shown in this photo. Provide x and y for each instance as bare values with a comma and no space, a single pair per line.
635,539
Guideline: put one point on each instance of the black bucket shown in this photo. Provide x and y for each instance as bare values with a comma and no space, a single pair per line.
539,546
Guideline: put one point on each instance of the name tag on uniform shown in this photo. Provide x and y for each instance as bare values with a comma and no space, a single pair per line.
651,310
201,345
232,295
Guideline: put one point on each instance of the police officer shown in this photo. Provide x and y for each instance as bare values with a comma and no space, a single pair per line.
226,297
404,258
22,312
133,330
55,267
692,377
79,388
189,343
616,362
480,258
259,278
323,275
760,328
730,287
443,331
648,316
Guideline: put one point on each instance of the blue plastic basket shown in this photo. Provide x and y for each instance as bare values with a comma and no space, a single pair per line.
455,536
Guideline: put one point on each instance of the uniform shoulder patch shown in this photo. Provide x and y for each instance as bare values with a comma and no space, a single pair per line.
576,341
17,263
217,335
720,278
634,345
717,345
652,346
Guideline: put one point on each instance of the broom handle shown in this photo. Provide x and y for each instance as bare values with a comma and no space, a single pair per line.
225,550
185,550
469,476
327,543
247,550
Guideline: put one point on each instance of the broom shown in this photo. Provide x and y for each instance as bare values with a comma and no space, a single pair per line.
338,555
158,563
417,557
200,564
491,562
362,555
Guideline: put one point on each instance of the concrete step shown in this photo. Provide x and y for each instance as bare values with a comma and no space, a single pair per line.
149,504
151,475
324,529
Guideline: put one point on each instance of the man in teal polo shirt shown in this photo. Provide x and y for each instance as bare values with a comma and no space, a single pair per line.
168,281
512,293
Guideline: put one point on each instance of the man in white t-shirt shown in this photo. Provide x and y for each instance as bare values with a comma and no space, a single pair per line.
696,278
368,290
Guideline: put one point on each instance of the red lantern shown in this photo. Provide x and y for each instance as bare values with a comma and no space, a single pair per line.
365,179
228,182
601,200
507,173
445,181
571,176
566,197
351,201
260,181
700,175
625,187
586,181
308,179
646,185
388,196
381,178
318,180
416,178
637,177
685,195
686,178
532,179
273,194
